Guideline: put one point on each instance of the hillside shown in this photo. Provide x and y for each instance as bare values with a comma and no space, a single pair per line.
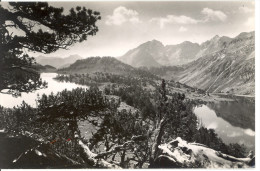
215,44
230,68
145,55
105,65
27,153
57,62
46,68
181,53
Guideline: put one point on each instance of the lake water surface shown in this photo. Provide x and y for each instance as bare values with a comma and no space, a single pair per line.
30,98
233,121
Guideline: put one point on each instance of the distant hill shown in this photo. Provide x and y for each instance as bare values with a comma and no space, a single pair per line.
57,62
104,64
227,65
46,68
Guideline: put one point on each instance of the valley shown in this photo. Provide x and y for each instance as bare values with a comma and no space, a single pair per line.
219,65
127,85
133,93
228,69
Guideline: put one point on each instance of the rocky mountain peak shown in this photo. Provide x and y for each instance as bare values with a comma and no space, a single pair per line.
215,37
152,44
154,53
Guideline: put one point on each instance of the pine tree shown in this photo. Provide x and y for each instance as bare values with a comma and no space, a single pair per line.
17,73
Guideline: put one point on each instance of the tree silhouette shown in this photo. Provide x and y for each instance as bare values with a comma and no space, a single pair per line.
40,28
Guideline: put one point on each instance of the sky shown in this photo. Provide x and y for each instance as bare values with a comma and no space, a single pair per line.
125,25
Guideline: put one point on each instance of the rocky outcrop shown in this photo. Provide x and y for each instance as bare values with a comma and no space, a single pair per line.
181,154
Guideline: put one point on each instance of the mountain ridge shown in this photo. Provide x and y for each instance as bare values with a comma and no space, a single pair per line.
230,69
155,54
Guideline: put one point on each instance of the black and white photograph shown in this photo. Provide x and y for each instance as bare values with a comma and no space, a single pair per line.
127,84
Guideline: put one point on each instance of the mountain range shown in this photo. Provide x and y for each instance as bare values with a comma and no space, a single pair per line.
154,53
226,65
221,64
57,62
230,69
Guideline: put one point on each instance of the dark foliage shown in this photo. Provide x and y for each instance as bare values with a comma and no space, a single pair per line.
154,105
60,31
54,121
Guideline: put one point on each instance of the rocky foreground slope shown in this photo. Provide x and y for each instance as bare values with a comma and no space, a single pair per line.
180,154
175,154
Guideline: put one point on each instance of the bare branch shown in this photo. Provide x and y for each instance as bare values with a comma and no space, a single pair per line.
115,149
91,157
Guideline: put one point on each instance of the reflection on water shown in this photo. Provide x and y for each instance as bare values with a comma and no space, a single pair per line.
239,113
30,98
227,121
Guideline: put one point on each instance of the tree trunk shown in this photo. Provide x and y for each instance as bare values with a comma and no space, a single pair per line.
122,163
157,141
